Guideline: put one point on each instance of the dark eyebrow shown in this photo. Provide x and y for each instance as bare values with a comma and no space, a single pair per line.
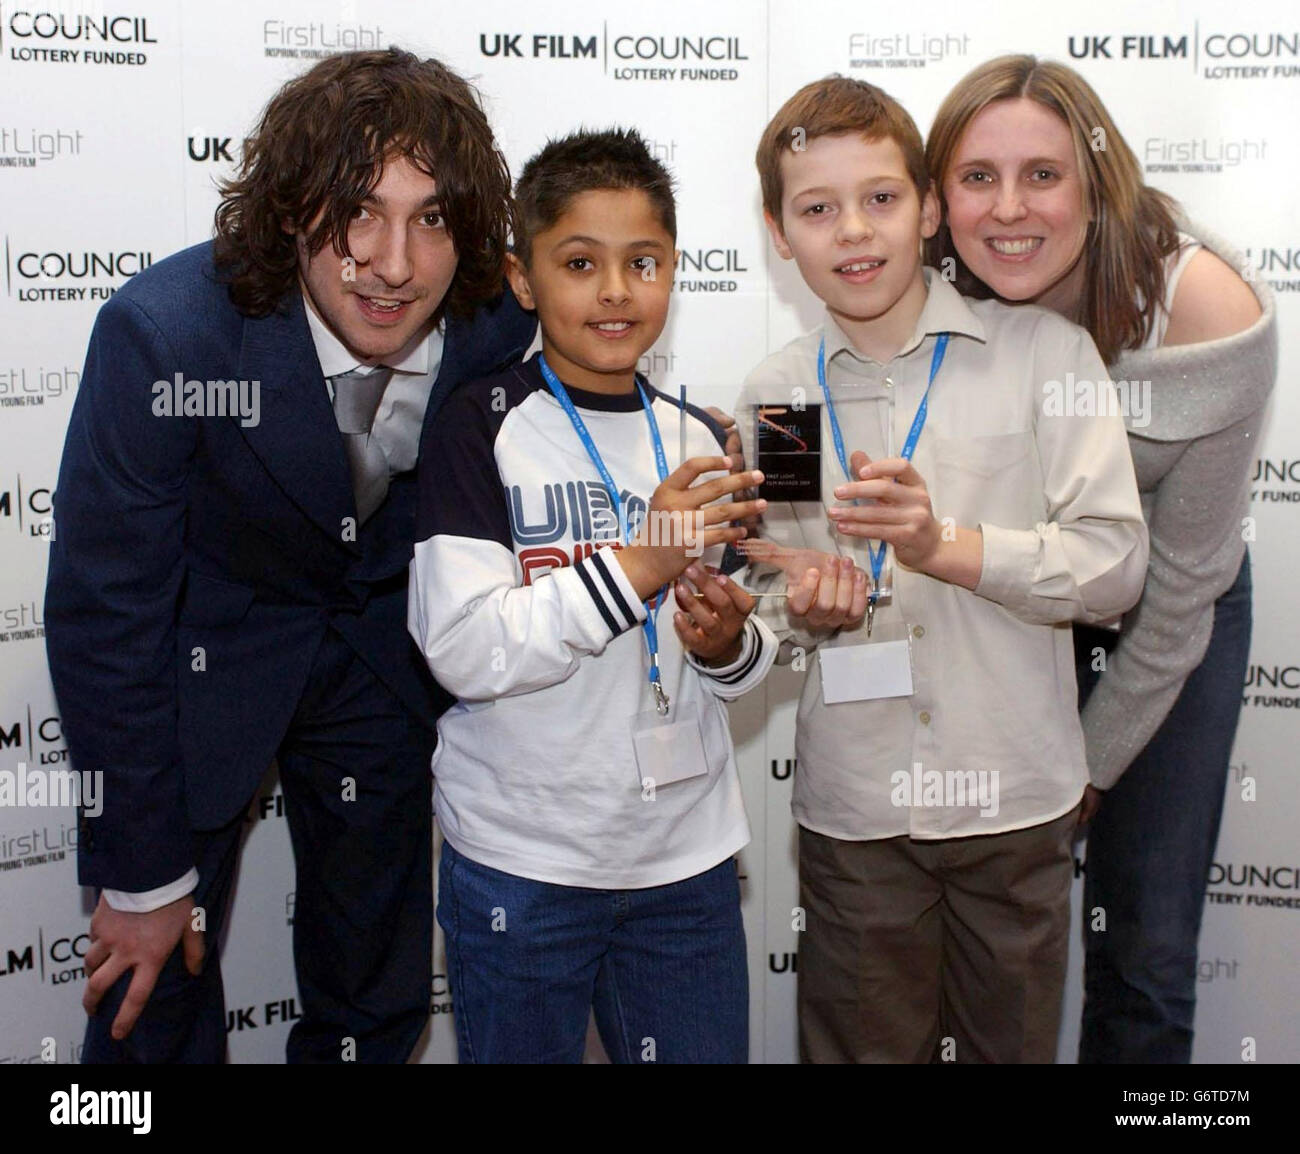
433,200
594,243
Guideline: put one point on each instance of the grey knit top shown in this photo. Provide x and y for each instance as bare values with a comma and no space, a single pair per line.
1192,452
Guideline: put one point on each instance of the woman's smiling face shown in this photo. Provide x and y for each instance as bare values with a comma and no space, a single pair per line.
1017,204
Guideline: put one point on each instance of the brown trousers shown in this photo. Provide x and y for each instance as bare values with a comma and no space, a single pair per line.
929,951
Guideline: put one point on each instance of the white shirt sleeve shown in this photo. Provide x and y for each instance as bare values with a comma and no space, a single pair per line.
484,636
150,900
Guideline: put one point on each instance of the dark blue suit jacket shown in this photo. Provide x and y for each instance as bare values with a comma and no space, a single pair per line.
197,563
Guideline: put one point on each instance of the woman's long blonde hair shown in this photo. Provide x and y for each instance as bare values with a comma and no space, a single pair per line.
1132,228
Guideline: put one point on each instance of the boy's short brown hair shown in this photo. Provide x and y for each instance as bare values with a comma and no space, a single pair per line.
834,106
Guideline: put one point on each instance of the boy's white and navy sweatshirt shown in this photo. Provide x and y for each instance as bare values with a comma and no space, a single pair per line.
524,614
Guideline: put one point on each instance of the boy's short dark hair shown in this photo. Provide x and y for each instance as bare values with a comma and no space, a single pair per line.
587,161
833,106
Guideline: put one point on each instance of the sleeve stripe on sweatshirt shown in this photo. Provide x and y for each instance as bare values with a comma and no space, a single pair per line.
599,563
755,652
596,597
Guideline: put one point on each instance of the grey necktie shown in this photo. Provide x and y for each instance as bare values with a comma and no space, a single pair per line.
356,400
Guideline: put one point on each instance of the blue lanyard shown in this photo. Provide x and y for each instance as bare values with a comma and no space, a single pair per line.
909,446
661,463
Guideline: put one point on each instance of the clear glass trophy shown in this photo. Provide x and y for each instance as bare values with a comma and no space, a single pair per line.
787,434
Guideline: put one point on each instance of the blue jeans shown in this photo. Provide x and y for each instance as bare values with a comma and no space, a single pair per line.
1150,848
664,968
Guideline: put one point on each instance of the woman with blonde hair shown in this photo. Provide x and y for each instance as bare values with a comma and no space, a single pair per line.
1044,203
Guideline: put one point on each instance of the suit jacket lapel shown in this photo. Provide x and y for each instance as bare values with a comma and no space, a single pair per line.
297,438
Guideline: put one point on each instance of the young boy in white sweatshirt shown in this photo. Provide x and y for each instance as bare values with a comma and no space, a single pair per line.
586,783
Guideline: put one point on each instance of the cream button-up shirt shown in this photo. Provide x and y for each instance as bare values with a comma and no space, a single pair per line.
1023,440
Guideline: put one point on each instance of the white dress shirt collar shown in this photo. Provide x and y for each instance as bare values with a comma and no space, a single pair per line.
335,357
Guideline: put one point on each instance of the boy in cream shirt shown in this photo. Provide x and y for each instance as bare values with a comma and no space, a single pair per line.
940,757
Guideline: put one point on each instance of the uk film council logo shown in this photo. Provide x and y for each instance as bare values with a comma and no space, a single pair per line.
1272,685
36,736
56,957
1276,481
36,274
709,270
1254,885
1215,52
27,508
1276,266
627,54
204,147
78,35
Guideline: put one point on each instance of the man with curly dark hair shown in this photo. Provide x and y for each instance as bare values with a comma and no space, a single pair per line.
235,515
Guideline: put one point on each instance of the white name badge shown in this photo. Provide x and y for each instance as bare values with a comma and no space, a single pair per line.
669,749
866,672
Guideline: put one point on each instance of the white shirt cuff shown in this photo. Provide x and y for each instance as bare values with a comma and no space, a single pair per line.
152,900
1007,569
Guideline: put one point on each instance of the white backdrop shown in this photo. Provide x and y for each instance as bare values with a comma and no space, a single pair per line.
115,120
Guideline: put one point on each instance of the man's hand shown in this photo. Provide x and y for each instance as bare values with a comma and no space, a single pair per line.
831,597
121,941
709,626
651,563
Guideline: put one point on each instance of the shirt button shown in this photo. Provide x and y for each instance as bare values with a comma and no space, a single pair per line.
924,717
889,382
918,631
